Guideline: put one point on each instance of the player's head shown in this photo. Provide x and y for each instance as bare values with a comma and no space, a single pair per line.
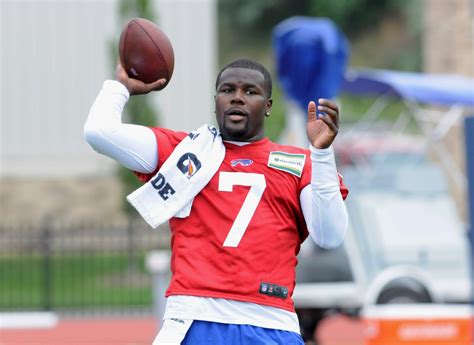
250,64
243,91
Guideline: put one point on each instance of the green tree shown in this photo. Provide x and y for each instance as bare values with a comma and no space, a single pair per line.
257,18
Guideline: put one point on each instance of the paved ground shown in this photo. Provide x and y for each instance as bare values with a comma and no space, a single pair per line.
116,331
340,330
141,331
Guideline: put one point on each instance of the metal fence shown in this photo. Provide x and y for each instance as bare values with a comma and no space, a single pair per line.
78,267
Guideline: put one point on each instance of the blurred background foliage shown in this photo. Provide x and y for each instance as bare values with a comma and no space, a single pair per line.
382,34
246,25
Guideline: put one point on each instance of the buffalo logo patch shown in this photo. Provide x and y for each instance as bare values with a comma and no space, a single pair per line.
241,161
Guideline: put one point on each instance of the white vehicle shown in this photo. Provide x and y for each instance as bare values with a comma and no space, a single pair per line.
405,244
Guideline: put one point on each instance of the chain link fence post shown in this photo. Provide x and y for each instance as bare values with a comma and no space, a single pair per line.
46,264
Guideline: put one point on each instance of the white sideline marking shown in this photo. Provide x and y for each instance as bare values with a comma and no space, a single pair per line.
418,311
28,320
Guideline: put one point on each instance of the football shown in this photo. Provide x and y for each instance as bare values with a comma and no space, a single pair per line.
145,51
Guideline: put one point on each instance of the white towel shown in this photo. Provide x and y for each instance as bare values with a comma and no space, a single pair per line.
185,173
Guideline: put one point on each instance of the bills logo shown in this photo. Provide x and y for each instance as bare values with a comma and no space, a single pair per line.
242,161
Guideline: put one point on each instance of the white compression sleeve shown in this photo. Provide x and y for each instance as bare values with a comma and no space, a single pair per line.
321,201
131,145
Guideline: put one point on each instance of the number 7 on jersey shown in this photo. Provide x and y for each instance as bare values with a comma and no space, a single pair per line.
227,180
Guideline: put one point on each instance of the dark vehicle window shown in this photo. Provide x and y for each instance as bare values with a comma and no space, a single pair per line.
317,265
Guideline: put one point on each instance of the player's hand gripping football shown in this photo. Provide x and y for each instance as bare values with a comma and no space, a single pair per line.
135,86
322,130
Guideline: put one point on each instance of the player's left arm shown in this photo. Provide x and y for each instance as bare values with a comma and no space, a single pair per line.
321,201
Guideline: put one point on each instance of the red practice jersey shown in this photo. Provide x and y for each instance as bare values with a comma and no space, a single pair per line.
244,232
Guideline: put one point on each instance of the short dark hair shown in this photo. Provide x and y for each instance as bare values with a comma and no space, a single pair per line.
250,64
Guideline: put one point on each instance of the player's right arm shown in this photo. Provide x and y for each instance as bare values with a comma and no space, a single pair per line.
133,146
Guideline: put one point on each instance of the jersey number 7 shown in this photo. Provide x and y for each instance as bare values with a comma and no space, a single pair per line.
227,180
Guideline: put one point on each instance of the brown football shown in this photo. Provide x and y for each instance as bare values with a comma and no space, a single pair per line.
145,51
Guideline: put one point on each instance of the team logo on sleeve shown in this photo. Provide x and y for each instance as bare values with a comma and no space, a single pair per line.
245,162
292,163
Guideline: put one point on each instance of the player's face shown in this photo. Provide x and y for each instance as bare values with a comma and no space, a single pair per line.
241,104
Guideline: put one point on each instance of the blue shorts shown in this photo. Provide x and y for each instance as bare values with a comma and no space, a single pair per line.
213,333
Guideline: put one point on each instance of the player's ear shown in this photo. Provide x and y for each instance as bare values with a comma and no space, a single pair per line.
269,104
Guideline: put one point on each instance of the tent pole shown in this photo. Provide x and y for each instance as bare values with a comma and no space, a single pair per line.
469,137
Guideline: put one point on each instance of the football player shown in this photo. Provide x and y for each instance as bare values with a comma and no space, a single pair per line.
234,256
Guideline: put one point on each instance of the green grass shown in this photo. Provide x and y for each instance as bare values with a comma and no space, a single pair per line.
85,280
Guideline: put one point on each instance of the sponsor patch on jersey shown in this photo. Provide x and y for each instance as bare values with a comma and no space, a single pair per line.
241,161
292,163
